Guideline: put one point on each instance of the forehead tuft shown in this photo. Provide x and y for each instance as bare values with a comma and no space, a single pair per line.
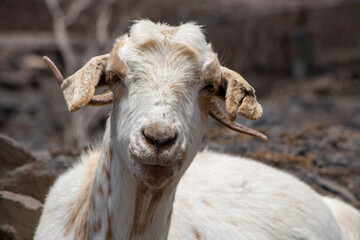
145,34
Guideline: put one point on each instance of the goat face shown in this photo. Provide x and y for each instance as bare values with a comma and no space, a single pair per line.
163,80
160,107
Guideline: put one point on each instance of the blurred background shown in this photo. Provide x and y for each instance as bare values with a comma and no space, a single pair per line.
301,56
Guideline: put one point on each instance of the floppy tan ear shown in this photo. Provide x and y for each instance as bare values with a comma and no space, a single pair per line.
79,88
240,96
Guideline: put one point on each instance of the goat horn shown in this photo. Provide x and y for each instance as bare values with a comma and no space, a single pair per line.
102,99
59,77
96,100
219,115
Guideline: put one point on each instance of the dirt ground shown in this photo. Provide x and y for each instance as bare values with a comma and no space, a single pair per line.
313,124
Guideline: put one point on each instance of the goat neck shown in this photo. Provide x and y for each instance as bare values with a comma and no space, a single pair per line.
122,205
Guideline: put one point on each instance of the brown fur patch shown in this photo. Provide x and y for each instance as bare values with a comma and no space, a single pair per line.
108,157
100,190
109,191
79,212
184,50
149,45
144,211
170,31
197,233
115,66
109,234
98,225
181,50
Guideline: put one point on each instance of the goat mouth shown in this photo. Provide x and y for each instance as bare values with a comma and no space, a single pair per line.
154,162
155,174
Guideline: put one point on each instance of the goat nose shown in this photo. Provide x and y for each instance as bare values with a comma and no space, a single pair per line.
160,137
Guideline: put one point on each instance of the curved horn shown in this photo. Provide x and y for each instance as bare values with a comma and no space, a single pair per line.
102,99
219,115
59,77
96,100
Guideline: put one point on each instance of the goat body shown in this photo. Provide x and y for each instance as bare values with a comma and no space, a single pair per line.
164,82
219,197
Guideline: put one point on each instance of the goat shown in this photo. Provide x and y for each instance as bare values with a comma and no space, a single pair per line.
164,82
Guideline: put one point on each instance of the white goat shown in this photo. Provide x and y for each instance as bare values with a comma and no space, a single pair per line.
164,81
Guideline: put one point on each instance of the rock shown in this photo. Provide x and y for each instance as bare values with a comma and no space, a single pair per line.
21,213
8,232
32,179
14,79
12,155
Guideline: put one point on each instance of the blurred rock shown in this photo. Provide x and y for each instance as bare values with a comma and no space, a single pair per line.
32,61
8,232
14,79
12,155
24,182
32,179
18,212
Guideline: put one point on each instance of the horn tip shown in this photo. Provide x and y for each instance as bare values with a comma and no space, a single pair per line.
263,137
46,59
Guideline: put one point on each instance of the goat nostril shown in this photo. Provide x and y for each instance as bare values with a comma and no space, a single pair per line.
159,139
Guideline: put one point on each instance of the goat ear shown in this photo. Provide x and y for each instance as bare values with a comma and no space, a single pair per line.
240,96
239,99
79,88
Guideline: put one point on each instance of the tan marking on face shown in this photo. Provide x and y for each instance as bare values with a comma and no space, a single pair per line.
207,203
148,45
184,50
116,66
170,31
179,50
197,233
144,211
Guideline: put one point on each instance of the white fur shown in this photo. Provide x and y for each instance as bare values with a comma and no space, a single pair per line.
219,197
225,197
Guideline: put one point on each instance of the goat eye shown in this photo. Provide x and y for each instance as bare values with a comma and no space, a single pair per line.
209,87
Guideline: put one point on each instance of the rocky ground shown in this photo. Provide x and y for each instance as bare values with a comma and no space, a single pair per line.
313,127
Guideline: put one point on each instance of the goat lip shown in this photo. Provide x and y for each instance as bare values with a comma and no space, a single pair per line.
153,162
